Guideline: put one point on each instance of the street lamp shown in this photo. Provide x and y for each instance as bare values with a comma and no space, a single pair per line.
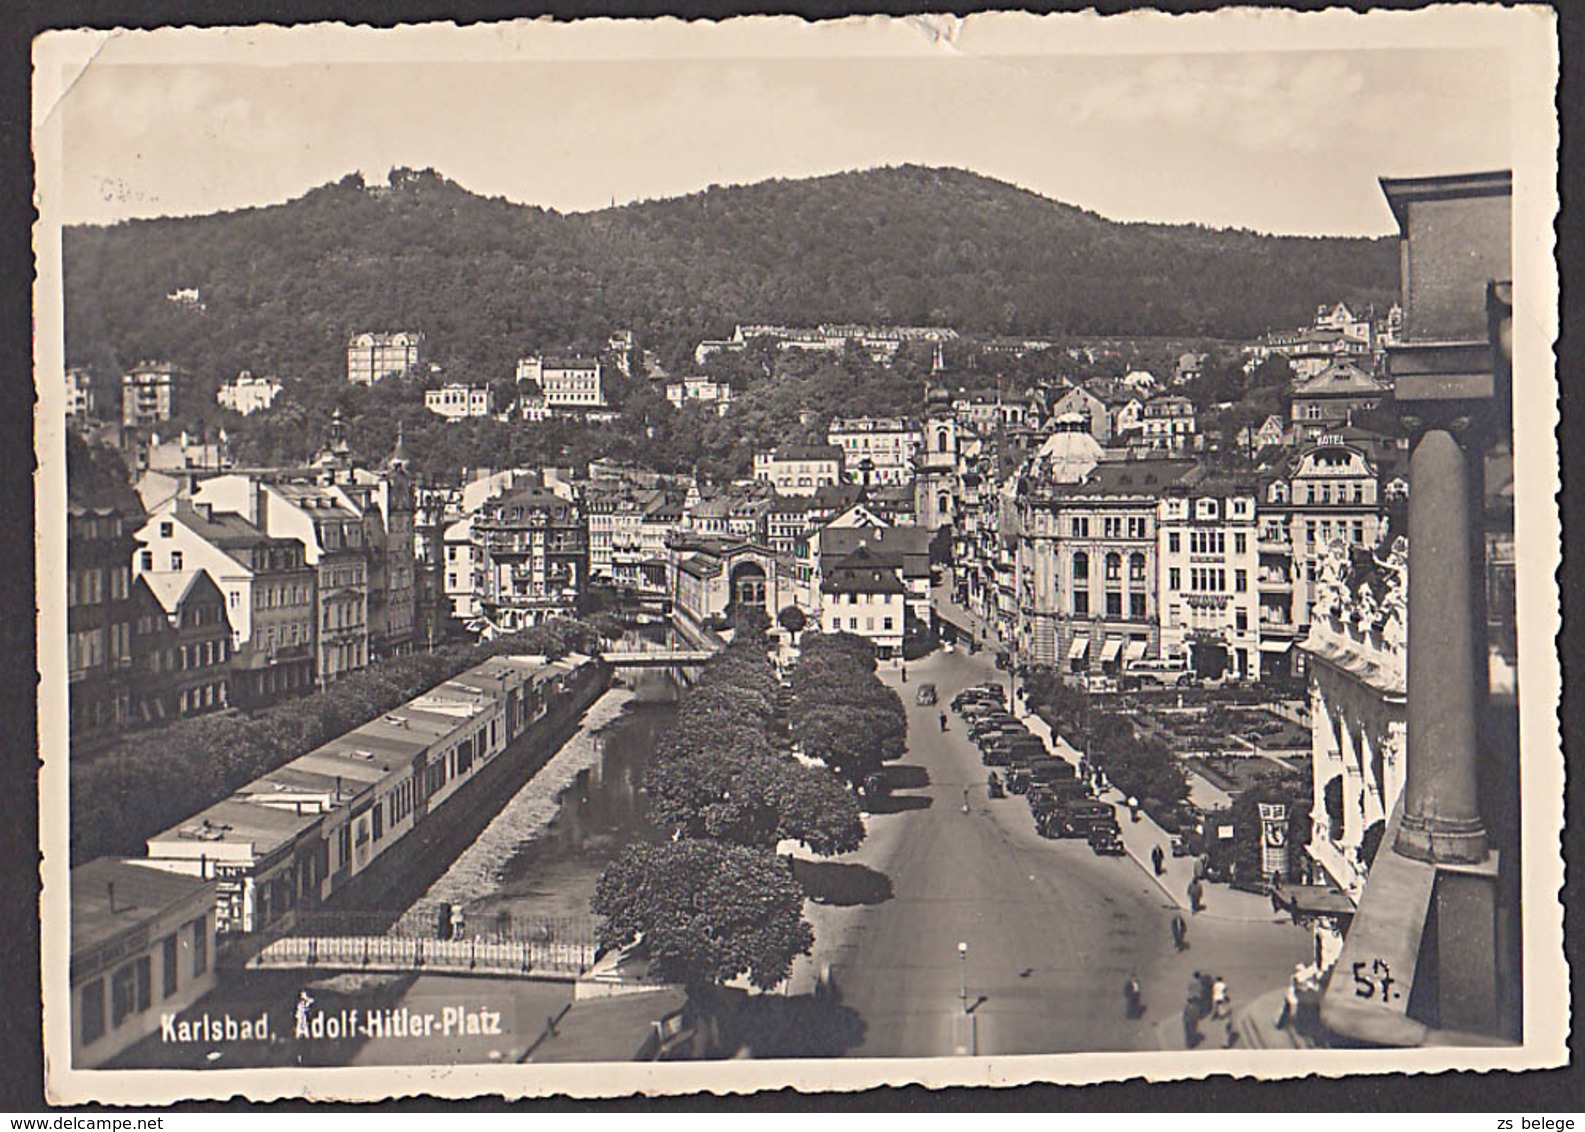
963,976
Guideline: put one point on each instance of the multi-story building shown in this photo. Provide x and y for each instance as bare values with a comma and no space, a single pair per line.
1168,424
100,611
1328,490
142,948
799,469
1328,400
1208,555
1078,399
862,594
937,465
373,356
268,587
616,545
1086,545
385,500
149,393
700,391
80,399
876,450
455,401
200,680
565,383
905,550
530,559
457,576
248,394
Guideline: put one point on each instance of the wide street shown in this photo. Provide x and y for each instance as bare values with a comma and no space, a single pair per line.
1053,931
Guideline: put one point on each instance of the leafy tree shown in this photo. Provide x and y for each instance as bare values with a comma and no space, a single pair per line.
707,912
792,619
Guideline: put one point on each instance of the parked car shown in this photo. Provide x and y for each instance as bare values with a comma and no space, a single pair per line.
1080,818
1106,843
925,695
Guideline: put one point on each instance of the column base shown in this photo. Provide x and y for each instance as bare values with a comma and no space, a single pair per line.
1442,841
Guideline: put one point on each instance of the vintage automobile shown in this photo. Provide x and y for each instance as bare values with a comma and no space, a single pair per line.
925,695
1106,843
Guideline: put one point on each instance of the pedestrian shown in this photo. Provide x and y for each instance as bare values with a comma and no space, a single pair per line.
1158,860
1133,807
1180,932
1204,994
943,721
1220,1004
1133,1001
1196,892
905,673
1191,1026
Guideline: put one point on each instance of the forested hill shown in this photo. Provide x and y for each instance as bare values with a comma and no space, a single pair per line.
487,280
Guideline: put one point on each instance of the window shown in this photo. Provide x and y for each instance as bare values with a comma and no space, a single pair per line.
176,560
167,529
886,624
1114,604
853,624
93,1011
1113,526
168,956
1136,567
1240,619
1174,578
1114,567
1081,567
145,560
200,945
1240,542
1136,606
1081,603
1081,526
1136,526
1173,542
1240,581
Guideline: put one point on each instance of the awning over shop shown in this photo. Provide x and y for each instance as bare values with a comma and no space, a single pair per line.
1136,650
1078,648
1275,646
1109,651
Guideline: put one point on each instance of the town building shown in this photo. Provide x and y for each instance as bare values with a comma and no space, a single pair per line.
142,946
149,393
1329,400
861,594
1098,418
455,401
799,469
247,394
80,399
200,679
100,611
876,450
700,391
936,465
1208,556
458,574
373,356
1085,548
565,383
530,559
905,550
711,578
268,586
1168,424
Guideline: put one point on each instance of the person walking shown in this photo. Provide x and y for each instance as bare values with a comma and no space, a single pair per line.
1158,860
1133,808
943,721
1180,933
1133,1000
1221,1006
1196,893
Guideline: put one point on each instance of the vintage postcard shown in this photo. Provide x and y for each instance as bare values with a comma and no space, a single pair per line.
642,556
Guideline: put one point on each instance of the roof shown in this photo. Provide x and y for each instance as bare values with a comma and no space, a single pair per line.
172,588
807,452
1402,191
142,894
863,572
1130,478
235,821
1340,379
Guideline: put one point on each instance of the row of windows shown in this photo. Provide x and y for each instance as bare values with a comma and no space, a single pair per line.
1208,579
1114,567
1352,530
1111,526
203,698
869,624
1138,606
131,985
862,599
1240,616
88,587
343,616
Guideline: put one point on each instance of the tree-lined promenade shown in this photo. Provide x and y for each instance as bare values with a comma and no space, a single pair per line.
710,900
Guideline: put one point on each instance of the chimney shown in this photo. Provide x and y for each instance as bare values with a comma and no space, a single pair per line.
206,511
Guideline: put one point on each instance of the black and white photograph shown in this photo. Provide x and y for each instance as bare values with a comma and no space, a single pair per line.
630,554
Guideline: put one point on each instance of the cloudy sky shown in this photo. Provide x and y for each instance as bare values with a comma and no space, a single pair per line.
1280,127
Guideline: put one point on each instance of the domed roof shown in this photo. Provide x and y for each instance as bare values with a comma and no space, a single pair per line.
1066,456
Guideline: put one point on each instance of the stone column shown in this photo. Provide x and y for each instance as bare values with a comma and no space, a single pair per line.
1441,821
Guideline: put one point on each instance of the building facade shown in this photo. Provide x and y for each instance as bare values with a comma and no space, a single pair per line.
876,450
248,394
149,394
373,356
530,559
799,469
456,402
1208,554
100,615
565,383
